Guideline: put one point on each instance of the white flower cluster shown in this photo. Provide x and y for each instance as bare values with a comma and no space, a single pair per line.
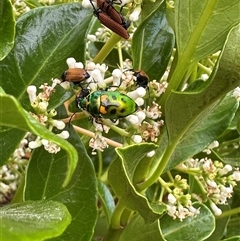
40,103
20,7
145,122
12,172
179,204
216,178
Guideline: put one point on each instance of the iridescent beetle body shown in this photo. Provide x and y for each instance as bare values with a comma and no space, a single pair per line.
106,104
75,75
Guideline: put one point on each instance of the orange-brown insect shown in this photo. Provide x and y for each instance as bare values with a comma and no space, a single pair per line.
111,24
107,7
111,18
75,75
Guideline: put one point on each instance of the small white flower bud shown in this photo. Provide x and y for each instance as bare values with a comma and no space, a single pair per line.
87,4
236,175
204,77
45,142
90,66
91,37
137,139
43,106
227,168
96,75
134,16
171,198
141,116
213,145
139,101
124,2
71,62
58,124
139,92
151,154
79,65
34,144
32,93
133,119
103,68
64,134
217,211
236,93
117,76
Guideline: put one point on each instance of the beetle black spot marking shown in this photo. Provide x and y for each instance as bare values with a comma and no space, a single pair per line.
124,100
122,110
113,111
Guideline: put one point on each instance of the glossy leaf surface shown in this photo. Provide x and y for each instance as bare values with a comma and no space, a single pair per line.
190,229
13,115
7,28
120,175
45,174
187,110
45,38
152,44
33,220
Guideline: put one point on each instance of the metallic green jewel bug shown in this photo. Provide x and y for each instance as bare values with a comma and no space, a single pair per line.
106,104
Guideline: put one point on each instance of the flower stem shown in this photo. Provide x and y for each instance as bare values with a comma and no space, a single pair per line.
229,213
116,217
107,48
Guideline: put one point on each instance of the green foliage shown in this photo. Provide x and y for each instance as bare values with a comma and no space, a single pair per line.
33,220
7,28
122,193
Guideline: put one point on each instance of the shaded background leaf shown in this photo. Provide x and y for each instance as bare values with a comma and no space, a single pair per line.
7,29
152,44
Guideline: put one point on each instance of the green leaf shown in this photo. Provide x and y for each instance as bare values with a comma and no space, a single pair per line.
107,200
191,228
8,144
201,29
235,238
44,176
195,25
187,110
13,115
221,223
7,28
121,174
152,44
202,131
45,38
138,230
33,220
